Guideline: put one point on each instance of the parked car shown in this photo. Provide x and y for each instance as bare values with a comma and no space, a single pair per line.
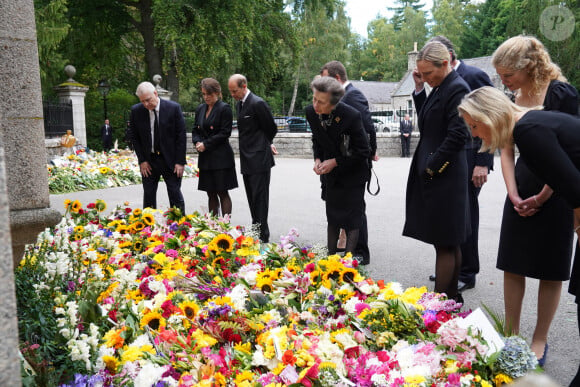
380,125
298,124
234,125
281,123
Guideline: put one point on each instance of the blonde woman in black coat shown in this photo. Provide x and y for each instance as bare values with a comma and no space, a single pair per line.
437,203
210,136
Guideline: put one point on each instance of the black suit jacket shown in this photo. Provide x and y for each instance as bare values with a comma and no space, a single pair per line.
355,98
104,135
214,131
353,169
406,126
475,79
257,130
172,133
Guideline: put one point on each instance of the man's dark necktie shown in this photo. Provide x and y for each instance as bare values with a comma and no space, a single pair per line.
156,143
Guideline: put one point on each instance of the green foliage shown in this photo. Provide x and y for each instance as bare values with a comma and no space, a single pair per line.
119,103
52,27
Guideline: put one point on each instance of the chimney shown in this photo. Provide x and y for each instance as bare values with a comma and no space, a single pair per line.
412,58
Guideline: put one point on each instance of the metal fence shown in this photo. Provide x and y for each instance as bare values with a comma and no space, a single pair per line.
58,118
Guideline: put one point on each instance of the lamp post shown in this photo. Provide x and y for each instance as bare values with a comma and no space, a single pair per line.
104,88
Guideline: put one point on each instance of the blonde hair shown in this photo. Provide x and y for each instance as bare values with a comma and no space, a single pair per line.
434,52
528,53
493,108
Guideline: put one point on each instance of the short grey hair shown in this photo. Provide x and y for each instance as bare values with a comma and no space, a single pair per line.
145,87
329,85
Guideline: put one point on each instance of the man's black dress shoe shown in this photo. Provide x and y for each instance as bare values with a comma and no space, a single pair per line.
432,277
461,286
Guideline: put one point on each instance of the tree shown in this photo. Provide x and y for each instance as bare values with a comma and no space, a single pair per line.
399,16
324,36
52,28
450,20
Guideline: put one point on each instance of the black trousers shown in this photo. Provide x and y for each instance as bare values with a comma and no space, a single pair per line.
405,146
258,193
470,248
362,246
159,168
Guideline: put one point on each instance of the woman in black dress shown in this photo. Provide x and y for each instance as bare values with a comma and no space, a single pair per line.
210,136
437,206
341,149
549,143
536,233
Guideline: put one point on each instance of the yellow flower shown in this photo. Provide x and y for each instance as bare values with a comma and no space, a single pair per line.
111,363
350,275
500,379
131,354
67,203
327,364
100,205
137,212
219,379
415,380
245,376
203,340
451,367
161,259
138,226
485,383
79,229
148,219
76,206
189,308
154,320
244,348
413,295
333,270
265,284
104,170
222,242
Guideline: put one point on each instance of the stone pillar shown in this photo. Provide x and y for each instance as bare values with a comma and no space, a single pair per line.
9,360
22,127
412,58
161,92
75,92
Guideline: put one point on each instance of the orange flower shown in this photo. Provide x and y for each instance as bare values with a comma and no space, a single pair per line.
289,358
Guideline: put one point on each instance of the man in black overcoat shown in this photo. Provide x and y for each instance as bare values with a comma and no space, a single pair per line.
159,140
257,130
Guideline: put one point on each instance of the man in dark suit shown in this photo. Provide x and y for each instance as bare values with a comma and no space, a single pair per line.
107,136
480,164
406,127
356,99
257,130
158,131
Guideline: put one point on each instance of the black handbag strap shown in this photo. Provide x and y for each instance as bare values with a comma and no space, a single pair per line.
372,172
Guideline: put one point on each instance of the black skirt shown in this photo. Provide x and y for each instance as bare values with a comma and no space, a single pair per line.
538,246
217,180
345,206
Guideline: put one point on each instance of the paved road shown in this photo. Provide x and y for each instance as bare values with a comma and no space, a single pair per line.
295,202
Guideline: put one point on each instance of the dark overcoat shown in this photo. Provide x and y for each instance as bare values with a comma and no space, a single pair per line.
437,208
257,130
214,132
351,170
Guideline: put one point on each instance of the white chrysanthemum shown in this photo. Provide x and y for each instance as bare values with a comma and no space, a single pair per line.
326,350
379,380
239,295
141,341
175,319
157,286
367,288
350,305
149,375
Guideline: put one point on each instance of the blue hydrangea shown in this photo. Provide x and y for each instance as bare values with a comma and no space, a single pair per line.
516,359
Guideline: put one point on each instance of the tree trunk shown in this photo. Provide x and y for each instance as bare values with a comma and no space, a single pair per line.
146,27
294,92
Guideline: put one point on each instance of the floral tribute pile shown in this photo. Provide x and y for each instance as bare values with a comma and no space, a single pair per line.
88,170
144,298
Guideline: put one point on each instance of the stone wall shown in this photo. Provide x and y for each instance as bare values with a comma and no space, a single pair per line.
299,145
